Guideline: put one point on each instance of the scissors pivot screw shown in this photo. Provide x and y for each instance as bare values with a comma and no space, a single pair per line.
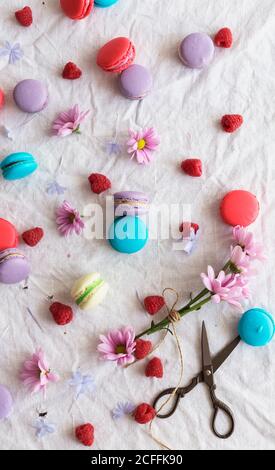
208,372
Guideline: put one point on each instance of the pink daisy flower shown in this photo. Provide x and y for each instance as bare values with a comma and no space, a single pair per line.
36,373
142,144
69,121
246,240
68,220
223,287
118,346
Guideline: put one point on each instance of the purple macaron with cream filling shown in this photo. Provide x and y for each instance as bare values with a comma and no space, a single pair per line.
197,50
14,266
132,203
135,82
31,96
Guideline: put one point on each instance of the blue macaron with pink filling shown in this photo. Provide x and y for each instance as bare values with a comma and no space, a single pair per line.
105,3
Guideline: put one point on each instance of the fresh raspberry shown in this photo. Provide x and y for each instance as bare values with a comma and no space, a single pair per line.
224,38
62,314
24,16
153,304
143,348
192,167
144,413
33,236
185,226
85,434
231,122
154,368
71,71
99,183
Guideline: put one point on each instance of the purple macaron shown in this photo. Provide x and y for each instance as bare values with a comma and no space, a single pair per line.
6,402
132,203
135,82
14,266
197,50
31,95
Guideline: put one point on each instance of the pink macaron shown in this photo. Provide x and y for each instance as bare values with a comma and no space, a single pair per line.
116,55
2,98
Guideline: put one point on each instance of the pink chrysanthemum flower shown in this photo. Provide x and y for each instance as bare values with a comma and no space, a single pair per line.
223,287
246,240
36,373
239,260
142,144
68,220
118,346
69,121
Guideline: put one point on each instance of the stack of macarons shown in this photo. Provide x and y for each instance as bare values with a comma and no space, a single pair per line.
80,9
117,56
129,233
14,266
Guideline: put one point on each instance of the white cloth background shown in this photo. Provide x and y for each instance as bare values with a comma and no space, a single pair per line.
185,107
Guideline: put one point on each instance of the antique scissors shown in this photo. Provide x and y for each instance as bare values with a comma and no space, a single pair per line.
209,367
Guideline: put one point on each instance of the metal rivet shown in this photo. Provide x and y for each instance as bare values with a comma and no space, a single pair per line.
208,372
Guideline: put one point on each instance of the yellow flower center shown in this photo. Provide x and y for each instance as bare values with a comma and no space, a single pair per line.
120,349
141,144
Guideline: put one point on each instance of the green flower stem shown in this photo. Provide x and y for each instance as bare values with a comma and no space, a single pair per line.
192,306
166,321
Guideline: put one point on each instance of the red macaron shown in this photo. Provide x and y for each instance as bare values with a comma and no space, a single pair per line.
77,9
9,237
117,55
239,207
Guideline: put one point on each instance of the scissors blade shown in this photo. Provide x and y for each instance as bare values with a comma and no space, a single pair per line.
225,353
206,356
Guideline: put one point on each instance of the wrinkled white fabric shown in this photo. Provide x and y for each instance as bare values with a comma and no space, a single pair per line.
185,107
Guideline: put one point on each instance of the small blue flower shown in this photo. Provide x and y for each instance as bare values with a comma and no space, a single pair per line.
43,428
55,188
123,409
113,148
14,52
82,383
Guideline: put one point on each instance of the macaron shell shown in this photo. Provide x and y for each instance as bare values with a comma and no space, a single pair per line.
116,55
197,50
135,82
31,96
105,3
6,402
256,327
9,237
239,207
13,269
95,298
128,234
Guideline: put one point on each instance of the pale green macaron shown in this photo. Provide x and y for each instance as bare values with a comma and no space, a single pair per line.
89,291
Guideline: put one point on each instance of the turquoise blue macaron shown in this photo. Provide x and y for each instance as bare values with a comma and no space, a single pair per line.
18,165
128,234
105,3
256,327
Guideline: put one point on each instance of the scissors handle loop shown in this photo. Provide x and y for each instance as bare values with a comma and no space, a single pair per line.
220,406
180,393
